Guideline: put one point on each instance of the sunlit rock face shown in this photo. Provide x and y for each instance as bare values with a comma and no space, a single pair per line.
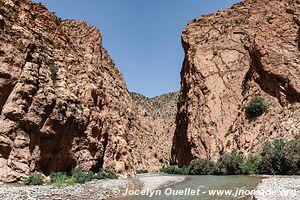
249,49
63,103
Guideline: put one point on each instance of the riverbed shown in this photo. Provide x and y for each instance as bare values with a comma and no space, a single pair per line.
198,188
94,190
165,187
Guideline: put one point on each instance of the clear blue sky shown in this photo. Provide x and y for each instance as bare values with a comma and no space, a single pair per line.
142,36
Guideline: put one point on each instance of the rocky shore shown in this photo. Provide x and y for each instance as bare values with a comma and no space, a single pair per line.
94,190
278,188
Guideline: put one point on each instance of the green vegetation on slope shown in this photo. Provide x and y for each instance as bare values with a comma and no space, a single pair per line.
276,158
60,179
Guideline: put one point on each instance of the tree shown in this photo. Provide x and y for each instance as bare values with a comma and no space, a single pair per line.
201,167
230,163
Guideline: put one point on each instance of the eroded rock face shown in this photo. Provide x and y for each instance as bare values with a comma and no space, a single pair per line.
160,114
63,103
231,56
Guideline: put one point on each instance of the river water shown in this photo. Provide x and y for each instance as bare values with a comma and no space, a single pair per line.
202,186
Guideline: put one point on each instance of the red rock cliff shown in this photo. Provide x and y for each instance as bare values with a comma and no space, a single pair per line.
231,56
63,103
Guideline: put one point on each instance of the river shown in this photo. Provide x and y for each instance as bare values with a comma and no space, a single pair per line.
202,186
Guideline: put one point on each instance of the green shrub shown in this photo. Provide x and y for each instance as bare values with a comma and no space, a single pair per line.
60,179
34,179
266,166
277,157
229,164
201,167
58,176
173,169
111,175
251,164
101,175
280,157
69,181
105,175
292,157
53,69
273,158
256,107
81,176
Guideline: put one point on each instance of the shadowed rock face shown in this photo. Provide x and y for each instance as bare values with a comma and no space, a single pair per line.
63,102
231,56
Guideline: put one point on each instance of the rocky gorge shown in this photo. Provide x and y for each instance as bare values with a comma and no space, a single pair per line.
64,104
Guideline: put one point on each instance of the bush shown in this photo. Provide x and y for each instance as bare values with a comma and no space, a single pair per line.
251,165
111,175
79,176
105,175
277,157
57,176
266,166
270,161
256,107
101,175
273,158
69,181
280,158
292,156
53,69
200,167
61,178
34,179
173,169
229,164
82,177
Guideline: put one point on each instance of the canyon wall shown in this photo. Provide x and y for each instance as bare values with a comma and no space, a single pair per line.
161,114
231,56
63,103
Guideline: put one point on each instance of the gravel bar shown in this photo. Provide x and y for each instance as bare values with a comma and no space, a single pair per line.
94,190
278,188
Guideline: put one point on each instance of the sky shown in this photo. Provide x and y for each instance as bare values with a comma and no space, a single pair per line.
142,36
